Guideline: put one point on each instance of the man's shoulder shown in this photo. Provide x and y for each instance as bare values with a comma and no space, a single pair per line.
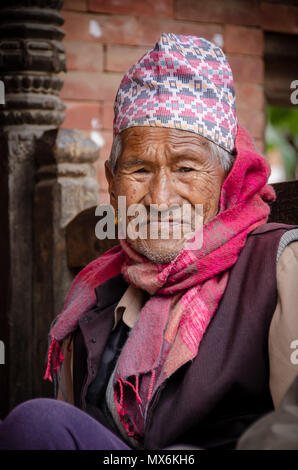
268,241
272,227
277,236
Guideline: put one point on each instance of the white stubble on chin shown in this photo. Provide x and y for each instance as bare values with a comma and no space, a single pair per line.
157,256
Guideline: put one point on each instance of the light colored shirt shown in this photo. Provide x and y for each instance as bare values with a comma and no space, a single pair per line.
129,306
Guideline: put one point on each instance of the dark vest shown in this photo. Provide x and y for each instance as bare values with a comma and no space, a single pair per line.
210,401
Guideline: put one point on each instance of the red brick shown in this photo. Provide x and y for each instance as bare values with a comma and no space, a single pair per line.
253,121
108,29
246,68
121,58
79,5
107,114
242,12
90,86
149,8
84,56
249,95
77,26
152,28
82,115
243,40
283,18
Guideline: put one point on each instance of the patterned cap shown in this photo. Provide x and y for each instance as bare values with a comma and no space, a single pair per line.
184,83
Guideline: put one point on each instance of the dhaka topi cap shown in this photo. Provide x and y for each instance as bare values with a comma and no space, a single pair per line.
186,83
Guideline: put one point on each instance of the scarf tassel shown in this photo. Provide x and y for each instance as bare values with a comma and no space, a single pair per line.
122,409
56,357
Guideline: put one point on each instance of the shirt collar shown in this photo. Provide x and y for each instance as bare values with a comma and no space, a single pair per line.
129,306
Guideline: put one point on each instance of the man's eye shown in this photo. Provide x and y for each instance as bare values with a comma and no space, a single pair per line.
141,170
185,169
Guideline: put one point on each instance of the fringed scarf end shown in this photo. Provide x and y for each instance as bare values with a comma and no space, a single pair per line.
55,357
128,425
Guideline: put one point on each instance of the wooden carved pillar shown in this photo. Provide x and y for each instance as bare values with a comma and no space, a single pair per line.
65,186
39,175
31,56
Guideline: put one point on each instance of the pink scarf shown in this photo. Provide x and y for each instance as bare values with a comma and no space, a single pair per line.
184,294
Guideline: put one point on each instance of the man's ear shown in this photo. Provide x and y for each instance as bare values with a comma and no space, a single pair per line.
110,179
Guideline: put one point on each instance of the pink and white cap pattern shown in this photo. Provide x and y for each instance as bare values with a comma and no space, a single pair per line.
185,83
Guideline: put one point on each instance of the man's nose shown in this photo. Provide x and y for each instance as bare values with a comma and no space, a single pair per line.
162,190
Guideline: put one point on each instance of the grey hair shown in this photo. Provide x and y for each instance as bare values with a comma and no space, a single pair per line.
226,158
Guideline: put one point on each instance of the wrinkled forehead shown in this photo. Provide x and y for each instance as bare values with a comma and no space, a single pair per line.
144,136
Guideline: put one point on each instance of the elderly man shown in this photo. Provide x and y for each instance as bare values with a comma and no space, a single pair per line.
169,342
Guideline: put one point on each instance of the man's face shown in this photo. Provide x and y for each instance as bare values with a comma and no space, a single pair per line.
167,167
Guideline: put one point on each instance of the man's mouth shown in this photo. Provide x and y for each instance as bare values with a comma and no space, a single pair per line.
170,223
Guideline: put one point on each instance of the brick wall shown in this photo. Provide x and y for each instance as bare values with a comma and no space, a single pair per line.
105,37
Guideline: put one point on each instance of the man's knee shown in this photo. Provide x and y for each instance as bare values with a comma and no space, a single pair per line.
39,410
34,423
45,423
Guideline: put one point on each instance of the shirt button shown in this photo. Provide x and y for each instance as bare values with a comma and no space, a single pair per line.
92,340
